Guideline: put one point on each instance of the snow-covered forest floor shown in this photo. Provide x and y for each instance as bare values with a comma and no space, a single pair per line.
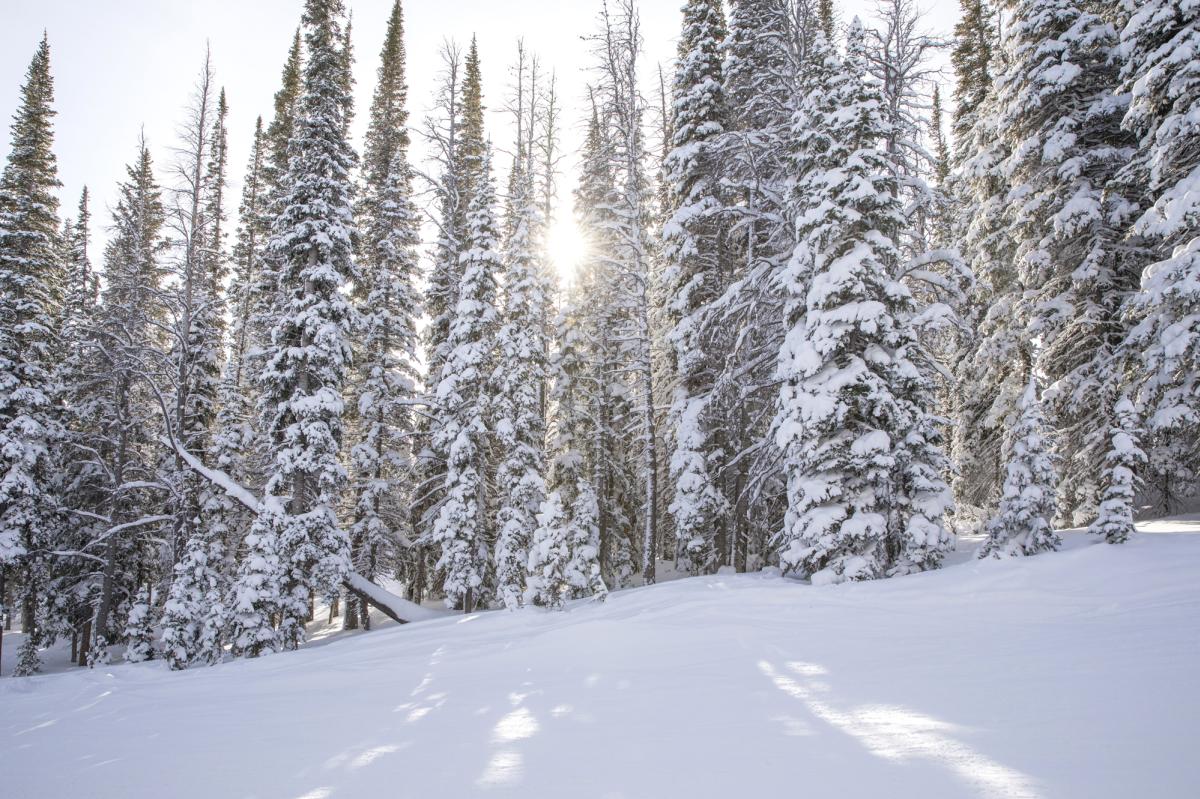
1069,674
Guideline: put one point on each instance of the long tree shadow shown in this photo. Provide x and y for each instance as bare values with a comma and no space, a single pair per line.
897,734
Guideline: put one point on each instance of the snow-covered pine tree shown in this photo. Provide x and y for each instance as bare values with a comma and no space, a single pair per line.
1022,525
30,294
128,352
309,356
81,478
971,55
861,450
1122,463
1060,115
273,191
444,129
195,351
937,136
693,249
1161,74
139,628
519,379
993,364
607,400
617,48
767,54
28,660
564,553
199,582
255,599
247,255
389,309
463,405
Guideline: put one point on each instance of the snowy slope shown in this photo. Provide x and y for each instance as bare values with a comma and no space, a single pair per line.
1075,674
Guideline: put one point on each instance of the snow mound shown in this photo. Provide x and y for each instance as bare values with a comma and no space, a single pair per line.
1074,674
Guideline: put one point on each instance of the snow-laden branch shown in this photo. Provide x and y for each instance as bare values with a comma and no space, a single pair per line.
398,608
217,477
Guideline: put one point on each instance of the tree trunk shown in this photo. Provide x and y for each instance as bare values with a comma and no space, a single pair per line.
85,642
350,615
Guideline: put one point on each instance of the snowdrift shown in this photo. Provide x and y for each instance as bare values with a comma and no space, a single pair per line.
1075,674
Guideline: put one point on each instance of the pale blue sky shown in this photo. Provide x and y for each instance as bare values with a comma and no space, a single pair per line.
121,65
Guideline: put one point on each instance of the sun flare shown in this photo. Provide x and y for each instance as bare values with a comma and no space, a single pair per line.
567,247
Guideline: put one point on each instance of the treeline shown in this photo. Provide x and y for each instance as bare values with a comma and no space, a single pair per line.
811,329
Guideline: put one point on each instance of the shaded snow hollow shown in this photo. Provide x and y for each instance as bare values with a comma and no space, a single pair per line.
1073,674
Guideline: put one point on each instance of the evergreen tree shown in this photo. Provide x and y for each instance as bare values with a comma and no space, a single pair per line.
768,55
273,192
519,378
865,495
993,363
31,278
234,434
693,248
199,581
127,354
445,130
604,394
80,477
627,256
139,629
1161,74
388,312
1061,118
309,355
1022,525
256,598
971,55
461,437
1121,464
29,662
564,553
937,133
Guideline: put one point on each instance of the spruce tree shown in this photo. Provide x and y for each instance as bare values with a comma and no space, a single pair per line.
389,309
1060,115
1122,462
31,278
993,362
768,54
274,188
309,356
971,55
564,553
139,629
234,434
461,437
861,451
625,261
255,599
606,400
1022,525
1161,74
445,129
693,248
128,350
519,380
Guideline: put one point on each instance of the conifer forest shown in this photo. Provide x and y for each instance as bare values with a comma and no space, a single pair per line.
725,396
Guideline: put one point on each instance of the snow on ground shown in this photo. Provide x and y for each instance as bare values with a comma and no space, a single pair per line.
1074,674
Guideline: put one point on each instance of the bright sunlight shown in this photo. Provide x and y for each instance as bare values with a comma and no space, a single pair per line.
567,247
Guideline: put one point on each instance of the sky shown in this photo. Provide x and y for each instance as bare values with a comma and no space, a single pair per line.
124,66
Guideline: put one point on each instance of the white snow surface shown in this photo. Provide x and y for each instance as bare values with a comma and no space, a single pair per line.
1068,674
